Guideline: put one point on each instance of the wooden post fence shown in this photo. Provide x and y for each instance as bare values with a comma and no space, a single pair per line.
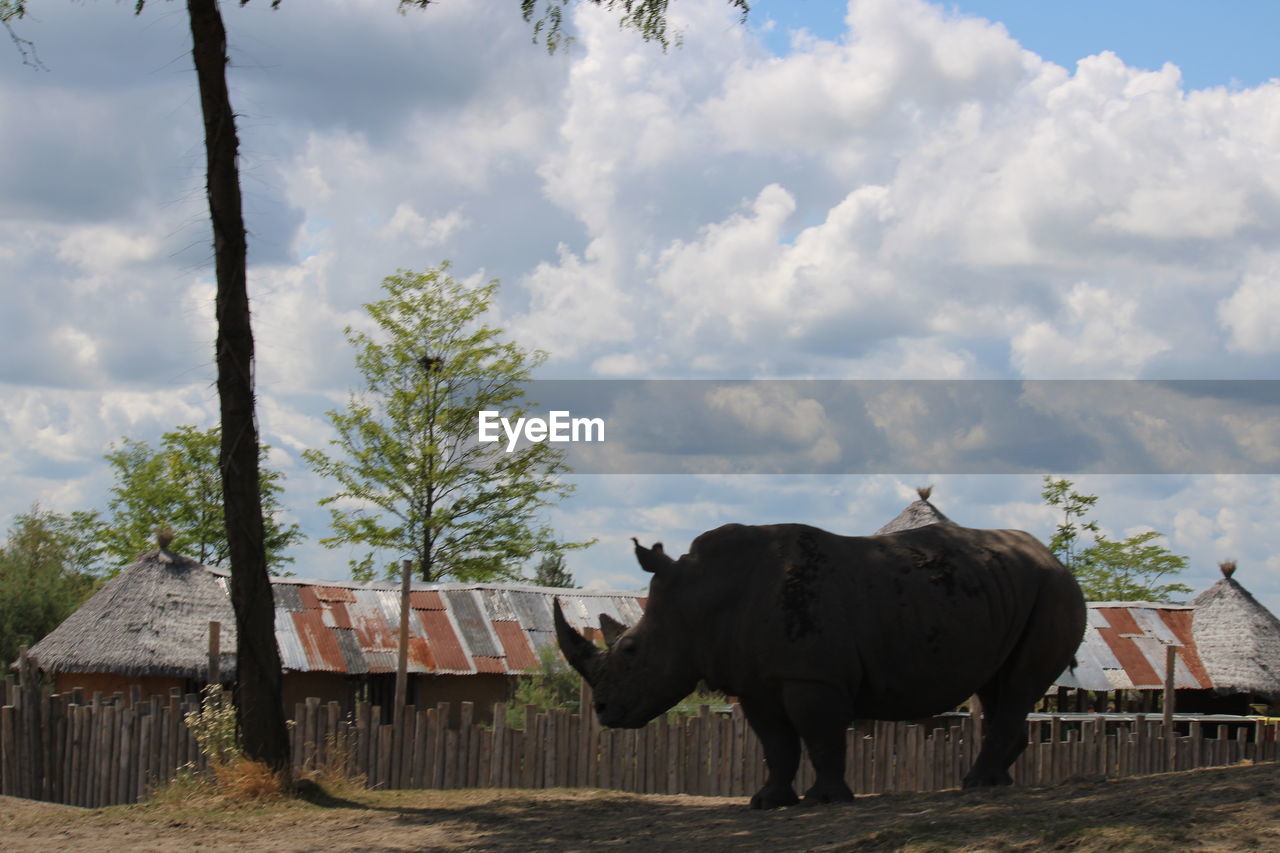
102,750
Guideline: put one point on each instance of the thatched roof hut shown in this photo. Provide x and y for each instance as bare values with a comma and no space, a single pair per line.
1238,639
918,514
150,620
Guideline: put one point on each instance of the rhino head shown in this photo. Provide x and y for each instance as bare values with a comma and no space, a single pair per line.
645,669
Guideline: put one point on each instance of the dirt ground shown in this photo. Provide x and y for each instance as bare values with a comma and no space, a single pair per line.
1207,810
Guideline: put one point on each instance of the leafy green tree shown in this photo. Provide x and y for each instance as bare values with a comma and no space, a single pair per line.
551,572
1134,569
48,566
259,686
179,487
1074,506
411,478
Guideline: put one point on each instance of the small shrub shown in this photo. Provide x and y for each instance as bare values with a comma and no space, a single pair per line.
214,726
230,776
241,780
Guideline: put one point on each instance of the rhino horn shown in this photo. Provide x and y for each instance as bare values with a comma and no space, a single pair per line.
611,628
653,559
581,653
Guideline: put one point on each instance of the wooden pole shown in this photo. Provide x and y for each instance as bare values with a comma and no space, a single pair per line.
1170,703
402,663
215,652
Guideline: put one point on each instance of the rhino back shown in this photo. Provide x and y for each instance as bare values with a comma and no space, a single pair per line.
911,623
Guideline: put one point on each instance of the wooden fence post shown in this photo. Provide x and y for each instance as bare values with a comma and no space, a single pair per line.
1170,702
402,674
214,675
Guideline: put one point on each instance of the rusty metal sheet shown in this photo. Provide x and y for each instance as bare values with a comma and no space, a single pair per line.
286,596
469,616
425,599
1124,648
449,654
420,658
516,647
318,643
381,661
1119,636
497,606
1179,622
307,595
1154,651
373,632
336,615
491,665
334,593
352,654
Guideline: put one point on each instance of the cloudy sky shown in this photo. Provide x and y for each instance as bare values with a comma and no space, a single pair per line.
894,189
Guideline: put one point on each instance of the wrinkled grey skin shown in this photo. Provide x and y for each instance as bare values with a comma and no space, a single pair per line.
811,630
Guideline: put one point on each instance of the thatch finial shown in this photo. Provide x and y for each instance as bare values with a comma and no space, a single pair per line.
164,537
924,492
1227,567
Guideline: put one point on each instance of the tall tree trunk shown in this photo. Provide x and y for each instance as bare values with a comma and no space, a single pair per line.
259,701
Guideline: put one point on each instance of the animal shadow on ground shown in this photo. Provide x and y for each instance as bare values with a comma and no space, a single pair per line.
1235,808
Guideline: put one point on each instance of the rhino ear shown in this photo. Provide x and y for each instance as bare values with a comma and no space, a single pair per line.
652,559
611,628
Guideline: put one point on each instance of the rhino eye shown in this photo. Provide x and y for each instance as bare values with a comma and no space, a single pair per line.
627,647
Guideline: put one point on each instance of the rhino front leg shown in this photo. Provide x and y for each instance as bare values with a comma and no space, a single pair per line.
822,713
781,744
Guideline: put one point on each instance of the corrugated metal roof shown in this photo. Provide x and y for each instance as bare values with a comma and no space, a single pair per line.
517,648
532,610
333,593
318,643
352,655
307,595
464,605
286,597
341,626
447,649
425,599
497,605
291,654
1124,648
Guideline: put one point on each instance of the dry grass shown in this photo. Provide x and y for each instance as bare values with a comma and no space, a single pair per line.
1206,810
241,780
236,782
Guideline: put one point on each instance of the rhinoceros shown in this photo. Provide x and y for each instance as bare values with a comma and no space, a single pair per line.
811,630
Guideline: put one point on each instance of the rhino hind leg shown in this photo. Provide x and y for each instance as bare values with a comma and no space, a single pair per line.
1045,649
1004,737
821,713
781,745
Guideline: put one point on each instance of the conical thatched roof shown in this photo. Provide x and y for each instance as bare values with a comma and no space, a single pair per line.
151,619
918,514
1238,639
